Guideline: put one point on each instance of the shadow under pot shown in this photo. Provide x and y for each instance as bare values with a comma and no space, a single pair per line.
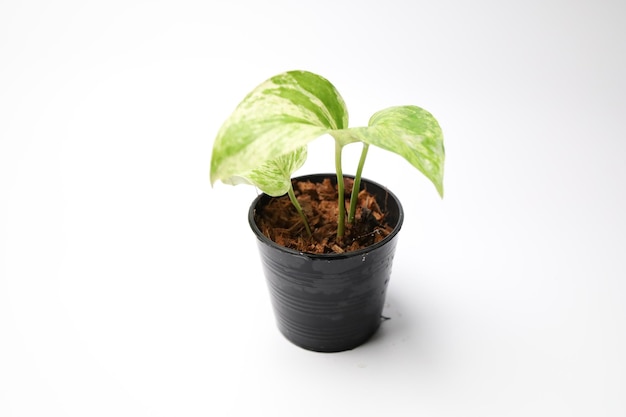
329,302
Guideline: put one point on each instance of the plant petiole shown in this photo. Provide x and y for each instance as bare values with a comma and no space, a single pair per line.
356,187
341,215
296,204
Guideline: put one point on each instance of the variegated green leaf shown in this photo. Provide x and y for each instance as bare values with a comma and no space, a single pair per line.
264,141
274,177
277,118
410,132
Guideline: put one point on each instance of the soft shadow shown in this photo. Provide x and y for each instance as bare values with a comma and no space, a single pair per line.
404,333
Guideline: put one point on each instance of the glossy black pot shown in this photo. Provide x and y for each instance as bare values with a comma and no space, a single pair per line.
329,302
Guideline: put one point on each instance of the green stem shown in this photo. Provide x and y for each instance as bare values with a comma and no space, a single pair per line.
340,190
296,204
356,187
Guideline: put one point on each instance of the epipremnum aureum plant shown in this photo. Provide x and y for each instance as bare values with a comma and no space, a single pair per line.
264,140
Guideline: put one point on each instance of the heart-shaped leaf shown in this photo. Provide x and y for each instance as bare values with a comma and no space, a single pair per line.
277,118
273,177
410,132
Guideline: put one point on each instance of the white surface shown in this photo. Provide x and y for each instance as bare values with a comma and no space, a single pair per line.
123,291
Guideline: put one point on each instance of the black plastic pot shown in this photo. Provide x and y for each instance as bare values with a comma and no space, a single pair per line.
329,302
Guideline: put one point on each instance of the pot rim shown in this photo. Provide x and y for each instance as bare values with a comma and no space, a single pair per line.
327,256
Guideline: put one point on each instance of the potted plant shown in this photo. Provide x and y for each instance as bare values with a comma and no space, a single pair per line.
326,241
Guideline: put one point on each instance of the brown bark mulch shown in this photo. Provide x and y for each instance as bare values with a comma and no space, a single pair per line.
280,221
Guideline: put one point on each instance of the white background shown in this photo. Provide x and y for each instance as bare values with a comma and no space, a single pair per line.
130,287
